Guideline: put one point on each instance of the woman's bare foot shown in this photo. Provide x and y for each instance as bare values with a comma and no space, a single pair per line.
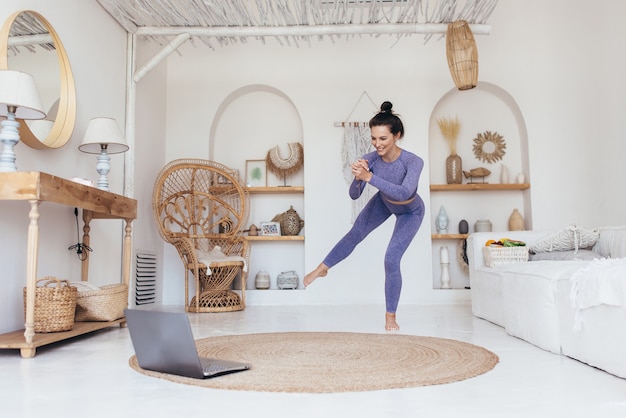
320,271
390,322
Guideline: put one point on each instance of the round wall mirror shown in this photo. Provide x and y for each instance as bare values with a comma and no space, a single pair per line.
30,44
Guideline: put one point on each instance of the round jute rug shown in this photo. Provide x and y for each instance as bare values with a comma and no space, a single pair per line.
337,362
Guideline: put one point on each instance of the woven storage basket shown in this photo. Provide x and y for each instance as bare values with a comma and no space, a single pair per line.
105,304
498,256
55,304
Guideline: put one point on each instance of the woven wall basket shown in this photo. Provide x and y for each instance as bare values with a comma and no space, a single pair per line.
55,304
462,55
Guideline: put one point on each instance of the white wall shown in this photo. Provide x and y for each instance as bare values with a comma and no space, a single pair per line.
149,152
558,60
96,48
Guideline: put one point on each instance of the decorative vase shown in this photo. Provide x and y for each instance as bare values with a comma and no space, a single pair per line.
287,280
262,280
521,179
482,225
463,227
290,222
454,171
442,221
516,221
504,174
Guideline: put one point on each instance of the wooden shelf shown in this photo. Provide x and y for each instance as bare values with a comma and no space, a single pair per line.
478,186
276,189
16,339
449,236
277,238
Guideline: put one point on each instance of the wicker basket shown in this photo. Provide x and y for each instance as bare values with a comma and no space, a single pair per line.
498,256
55,304
104,304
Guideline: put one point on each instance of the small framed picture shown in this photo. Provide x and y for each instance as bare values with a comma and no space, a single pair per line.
270,229
256,173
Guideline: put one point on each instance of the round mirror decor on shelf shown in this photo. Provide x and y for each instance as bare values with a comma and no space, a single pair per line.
28,32
489,147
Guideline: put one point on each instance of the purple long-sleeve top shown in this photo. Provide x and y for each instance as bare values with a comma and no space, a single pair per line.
396,181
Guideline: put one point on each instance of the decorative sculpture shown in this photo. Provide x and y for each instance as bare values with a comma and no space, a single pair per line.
481,172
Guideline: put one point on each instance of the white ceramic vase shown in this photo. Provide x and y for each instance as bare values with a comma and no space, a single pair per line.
262,280
504,174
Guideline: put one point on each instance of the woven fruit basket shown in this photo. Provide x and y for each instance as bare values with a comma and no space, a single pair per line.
496,255
55,305
104,304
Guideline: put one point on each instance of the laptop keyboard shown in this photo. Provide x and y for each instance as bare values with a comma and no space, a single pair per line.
212,368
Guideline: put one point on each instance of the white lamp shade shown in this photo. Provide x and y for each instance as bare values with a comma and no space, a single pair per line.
18,89
103,131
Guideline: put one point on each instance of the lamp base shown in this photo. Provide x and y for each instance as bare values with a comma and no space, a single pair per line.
9,136
103,167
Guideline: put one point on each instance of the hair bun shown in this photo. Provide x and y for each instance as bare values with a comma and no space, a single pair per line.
386,107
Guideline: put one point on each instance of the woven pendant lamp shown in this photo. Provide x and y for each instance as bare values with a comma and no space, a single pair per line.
462,55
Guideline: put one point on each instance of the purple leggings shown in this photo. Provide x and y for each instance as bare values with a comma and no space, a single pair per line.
371,217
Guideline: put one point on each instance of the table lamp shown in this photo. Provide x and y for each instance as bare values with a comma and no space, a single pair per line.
18,100
103,137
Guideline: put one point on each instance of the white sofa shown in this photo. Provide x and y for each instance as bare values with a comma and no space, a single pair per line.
533,300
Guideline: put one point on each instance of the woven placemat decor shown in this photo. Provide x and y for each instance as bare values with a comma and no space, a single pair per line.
326,362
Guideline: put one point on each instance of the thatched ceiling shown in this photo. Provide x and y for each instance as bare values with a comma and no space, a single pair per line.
225,22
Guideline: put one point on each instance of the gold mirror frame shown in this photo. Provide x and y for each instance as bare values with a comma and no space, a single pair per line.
66,116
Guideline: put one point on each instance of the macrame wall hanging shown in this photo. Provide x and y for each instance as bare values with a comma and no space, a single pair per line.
284,167
357,141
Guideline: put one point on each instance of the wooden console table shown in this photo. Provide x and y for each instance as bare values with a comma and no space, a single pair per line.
37,187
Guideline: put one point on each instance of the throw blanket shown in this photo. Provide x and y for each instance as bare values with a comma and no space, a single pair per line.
603,281
216,255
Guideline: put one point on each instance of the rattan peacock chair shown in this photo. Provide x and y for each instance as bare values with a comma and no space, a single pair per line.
201,207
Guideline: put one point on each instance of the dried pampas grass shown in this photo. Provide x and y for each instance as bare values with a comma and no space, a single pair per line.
450,129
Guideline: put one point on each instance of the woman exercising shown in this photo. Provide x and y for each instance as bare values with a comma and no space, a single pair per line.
395,173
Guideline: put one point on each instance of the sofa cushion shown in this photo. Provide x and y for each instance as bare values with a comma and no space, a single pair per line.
583,254
572,237
612,242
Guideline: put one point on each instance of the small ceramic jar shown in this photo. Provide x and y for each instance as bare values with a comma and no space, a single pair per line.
482,225
287,280
262,280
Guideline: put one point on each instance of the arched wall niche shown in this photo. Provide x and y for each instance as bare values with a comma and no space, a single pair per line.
250,121
487,107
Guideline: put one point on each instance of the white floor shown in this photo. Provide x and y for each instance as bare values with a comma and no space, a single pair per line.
90,377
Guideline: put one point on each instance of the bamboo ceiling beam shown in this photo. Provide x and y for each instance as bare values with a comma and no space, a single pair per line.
302,30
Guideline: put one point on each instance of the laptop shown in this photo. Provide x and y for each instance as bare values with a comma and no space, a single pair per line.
163,342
